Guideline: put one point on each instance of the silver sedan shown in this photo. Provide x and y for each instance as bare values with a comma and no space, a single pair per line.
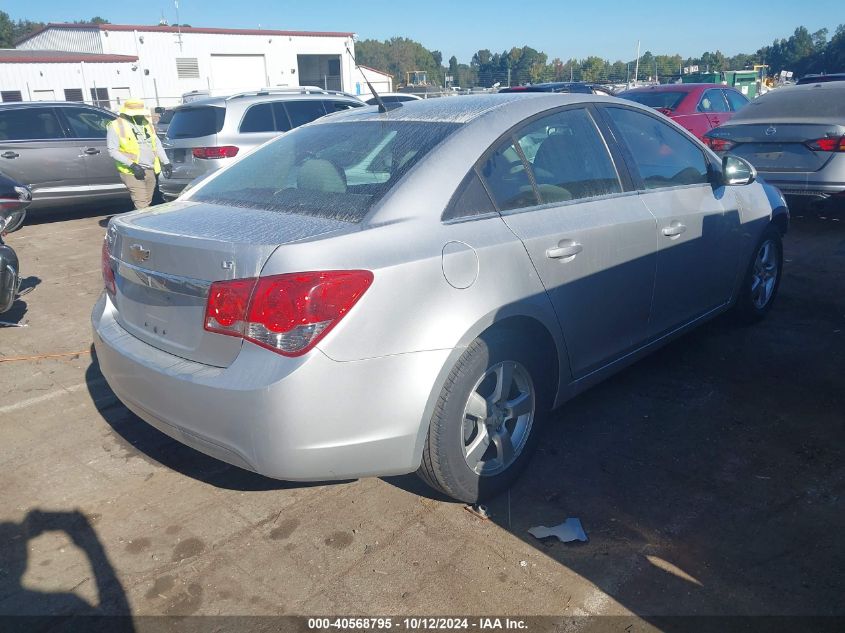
414,290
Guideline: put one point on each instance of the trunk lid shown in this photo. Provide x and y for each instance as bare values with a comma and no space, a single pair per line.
166,259
779,147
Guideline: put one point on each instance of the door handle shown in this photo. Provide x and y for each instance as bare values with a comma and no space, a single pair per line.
565,249
91,151
674,229
9,154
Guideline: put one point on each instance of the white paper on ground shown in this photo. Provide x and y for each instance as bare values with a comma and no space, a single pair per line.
568,531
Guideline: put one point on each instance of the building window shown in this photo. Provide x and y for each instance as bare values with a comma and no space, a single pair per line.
11,95
73,94
187,68
100,97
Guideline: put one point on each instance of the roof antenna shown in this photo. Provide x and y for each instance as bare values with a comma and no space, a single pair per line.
381,105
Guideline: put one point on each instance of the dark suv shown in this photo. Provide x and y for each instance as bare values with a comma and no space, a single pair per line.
58,149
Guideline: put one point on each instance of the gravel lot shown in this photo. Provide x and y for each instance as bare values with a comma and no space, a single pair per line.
709,478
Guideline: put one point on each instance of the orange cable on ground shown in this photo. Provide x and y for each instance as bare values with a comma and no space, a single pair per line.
40,356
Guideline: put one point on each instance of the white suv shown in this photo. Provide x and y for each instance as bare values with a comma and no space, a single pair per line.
206,135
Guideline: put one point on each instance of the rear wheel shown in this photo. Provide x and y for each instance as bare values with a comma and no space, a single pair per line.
485,425
762,278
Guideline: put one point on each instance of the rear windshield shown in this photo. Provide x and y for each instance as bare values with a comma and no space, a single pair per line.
667,100
195,122
331,170
800,103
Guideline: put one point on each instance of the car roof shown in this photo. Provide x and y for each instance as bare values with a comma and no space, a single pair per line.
692,87
464,109
258,96
10,105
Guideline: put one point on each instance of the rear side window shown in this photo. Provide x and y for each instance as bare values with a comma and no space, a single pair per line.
736,100
471,199
258,118
193,122
165,117
340,106
508,179
666,100
331,170
663,156
28,124
712,101
568,157
302,112
85,123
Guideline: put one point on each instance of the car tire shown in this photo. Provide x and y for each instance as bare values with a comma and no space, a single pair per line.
455,460
762,278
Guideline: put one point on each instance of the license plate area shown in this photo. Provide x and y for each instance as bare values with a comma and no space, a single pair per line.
176,155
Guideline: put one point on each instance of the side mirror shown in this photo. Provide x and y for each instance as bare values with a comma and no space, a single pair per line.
737,171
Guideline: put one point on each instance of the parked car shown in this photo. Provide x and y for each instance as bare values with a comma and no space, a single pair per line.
206,135
58,149
578,87
697,107
382,293
392,97
163,122
819,79
795,138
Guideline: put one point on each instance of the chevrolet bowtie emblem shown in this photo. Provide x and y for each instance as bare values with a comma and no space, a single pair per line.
139,253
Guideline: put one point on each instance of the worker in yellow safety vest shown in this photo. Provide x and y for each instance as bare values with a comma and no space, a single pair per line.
138,155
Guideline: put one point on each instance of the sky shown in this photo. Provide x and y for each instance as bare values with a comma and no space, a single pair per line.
560,28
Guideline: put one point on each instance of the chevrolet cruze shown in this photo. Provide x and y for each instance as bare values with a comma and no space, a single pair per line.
413,288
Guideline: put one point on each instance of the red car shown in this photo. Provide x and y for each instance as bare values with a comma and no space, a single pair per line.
697,107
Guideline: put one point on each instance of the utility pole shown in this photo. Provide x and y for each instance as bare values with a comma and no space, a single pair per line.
637,67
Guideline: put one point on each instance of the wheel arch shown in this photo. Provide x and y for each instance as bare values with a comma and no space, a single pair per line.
526,321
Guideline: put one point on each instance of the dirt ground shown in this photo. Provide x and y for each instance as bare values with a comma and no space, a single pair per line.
708,477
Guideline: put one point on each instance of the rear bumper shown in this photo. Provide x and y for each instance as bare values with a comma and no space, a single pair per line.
308,418
171,187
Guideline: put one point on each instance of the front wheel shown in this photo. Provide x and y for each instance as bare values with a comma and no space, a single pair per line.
762,279
485,425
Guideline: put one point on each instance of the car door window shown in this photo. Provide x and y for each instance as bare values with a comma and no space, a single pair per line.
29,124
663,156
507,178
86,123
712,101
568,157
258,118
302,112
281,116
736,100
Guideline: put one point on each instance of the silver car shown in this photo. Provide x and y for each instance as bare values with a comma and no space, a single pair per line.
59,150
795,137
206,135
382,293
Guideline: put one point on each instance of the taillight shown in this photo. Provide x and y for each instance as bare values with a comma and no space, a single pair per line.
828,144
225,311
223,151
718,144
287,313
108,271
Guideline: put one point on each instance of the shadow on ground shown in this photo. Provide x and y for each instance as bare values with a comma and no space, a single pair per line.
709,476
139,439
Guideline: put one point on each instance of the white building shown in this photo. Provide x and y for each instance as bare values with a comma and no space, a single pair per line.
380,81
170,61
30,75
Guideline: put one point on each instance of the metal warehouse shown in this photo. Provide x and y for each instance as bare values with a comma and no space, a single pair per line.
162,63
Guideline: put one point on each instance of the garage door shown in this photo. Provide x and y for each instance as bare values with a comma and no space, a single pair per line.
237,73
